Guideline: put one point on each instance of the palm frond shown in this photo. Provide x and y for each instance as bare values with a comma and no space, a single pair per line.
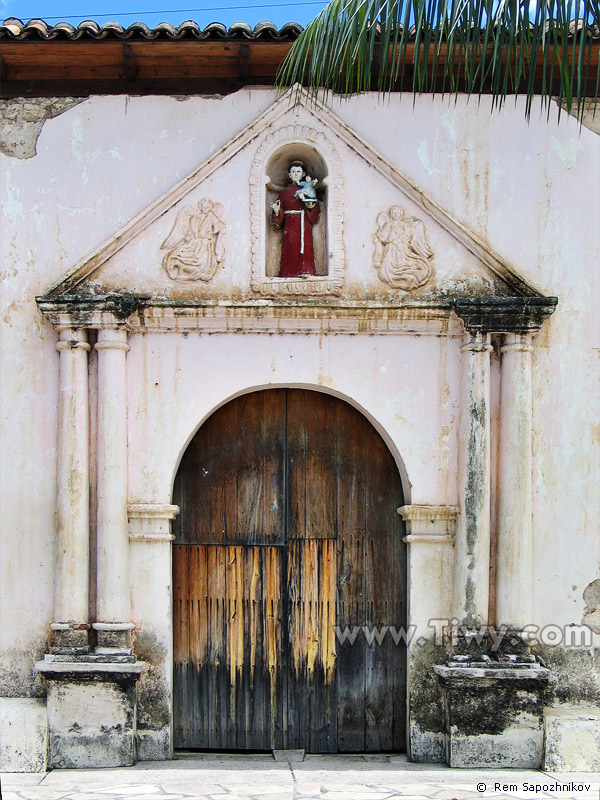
499,47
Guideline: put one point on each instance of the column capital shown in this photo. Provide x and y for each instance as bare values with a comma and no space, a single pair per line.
151,522
432,524
504,314
89,311
517,343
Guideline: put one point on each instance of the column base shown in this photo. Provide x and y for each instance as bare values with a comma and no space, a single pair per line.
70,638
493,713
113,638
92,710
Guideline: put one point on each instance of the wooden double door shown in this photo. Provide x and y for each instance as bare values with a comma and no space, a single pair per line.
288,538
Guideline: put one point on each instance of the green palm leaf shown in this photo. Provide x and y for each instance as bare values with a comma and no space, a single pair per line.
499,47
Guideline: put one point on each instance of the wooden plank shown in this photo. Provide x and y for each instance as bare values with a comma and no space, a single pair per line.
296,465
192,491
312,717
321,466
180,644
312,463
381,591
352,435
273,469
260,502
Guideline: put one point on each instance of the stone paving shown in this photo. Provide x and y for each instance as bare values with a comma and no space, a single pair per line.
259,777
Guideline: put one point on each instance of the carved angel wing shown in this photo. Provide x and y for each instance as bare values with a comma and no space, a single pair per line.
382,218
418,241
180,228
218,210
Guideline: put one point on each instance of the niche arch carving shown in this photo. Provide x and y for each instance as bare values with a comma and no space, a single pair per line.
268,174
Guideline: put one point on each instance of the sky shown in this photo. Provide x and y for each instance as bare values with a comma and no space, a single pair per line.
154,11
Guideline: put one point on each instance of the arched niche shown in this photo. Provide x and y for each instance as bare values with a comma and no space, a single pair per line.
277,177
269,174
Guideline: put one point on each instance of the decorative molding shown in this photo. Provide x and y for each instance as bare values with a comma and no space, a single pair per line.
151,522
260,316
113,626
73,345
319,285
432,524
194,248
402,257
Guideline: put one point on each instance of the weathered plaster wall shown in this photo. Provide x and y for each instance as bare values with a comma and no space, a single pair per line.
530,190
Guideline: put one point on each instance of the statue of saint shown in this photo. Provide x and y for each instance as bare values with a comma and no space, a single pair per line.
296,211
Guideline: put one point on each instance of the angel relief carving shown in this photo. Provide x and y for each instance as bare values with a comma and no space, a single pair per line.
194,248
403,258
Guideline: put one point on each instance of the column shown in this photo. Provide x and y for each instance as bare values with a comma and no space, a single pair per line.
71,597
472,562
113,624
514,566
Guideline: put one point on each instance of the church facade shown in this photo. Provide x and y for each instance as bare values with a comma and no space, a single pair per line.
300,446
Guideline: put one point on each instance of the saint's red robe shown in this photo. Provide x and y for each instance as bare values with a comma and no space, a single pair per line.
296,218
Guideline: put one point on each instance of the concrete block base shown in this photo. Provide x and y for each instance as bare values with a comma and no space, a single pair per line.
154,745
426,747
92,710
572,739
493,715
23,734
91,724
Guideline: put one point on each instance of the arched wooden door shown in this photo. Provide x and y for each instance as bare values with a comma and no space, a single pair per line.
288,533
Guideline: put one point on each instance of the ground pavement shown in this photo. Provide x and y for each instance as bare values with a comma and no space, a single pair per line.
259,777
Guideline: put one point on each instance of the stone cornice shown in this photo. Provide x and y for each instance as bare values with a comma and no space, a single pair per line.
504,314
89,311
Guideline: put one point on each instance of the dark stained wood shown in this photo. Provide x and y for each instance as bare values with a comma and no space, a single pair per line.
230,482
35,67
288,530
351,577
312,465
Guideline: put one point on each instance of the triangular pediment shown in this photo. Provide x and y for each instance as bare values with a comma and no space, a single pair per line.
220,215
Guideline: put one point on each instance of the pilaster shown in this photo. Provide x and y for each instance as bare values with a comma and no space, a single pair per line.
472,561
151,566
113,626
514,549
71,597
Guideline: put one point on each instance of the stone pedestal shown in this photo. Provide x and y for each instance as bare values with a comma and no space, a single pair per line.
493,714
92,709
